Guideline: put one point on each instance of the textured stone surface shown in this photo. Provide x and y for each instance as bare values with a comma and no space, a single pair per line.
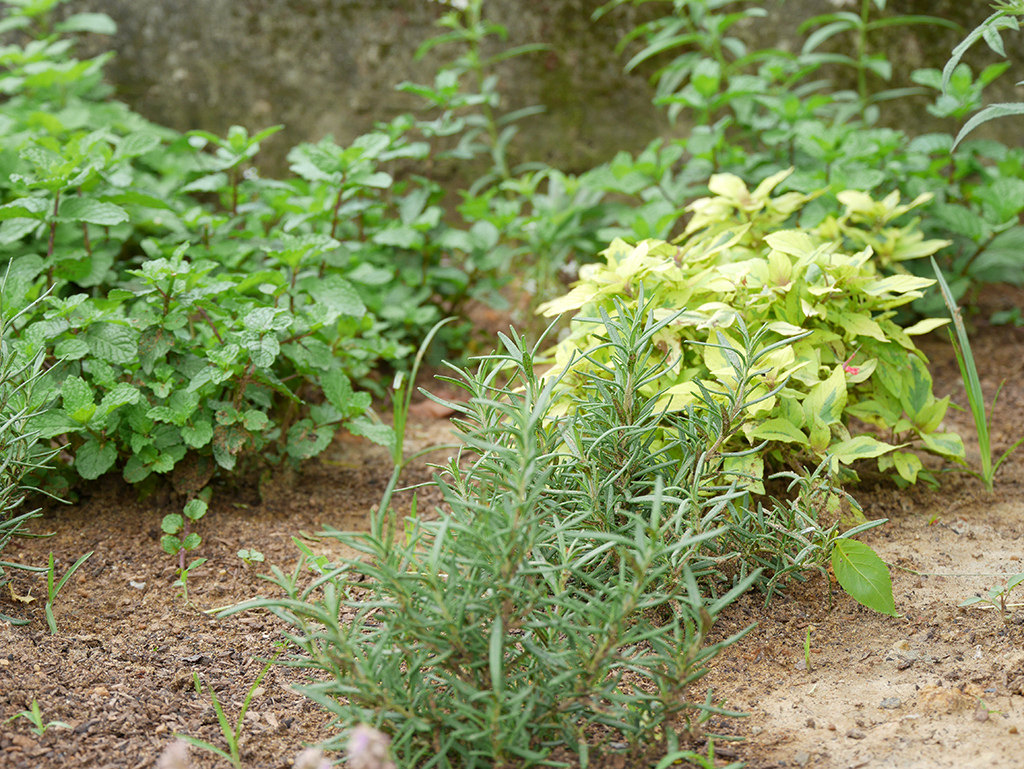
330,66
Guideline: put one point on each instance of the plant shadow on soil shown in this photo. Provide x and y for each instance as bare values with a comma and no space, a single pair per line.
939,686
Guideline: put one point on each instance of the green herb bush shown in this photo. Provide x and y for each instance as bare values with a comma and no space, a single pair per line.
571,576
739,265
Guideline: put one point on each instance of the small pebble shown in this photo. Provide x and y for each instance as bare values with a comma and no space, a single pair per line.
856,734
890,703
810,723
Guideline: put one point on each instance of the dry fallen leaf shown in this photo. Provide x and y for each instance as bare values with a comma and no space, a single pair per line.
22,598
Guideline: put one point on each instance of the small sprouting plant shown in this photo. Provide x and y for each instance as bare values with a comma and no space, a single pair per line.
996,597
231,732
53,589
179,538
35,715
251,556
972,386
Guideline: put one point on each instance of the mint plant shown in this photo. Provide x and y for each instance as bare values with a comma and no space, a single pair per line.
180,539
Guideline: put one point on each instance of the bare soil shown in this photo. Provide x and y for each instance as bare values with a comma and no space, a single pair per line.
939,686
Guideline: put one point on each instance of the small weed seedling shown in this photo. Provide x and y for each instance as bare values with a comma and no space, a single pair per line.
35,715
52,590
178,539
996,597
250,556
807,650
231,733
972,384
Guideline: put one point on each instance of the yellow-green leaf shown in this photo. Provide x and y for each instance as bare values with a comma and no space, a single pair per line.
778,429
860,447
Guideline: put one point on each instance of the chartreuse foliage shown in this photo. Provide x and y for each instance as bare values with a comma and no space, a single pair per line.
739,266
563,583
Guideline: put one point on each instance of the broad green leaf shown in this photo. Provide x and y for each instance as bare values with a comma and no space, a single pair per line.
122,394
71,348
338,391
907,465
254,420
263,349
172,523
381,434
859,447
778,429
195,509
863,575
93,460
826,401
861,325
924,326
52,423
77,399
896,284
791,242
113,342
91,211
338,296
917,387
947,444
198,434
306,440
97,23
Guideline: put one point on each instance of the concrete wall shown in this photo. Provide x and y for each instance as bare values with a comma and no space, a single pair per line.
330,66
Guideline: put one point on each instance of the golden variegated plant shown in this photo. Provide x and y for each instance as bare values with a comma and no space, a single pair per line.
738,262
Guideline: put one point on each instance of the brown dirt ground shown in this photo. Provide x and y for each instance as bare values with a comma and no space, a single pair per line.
937,687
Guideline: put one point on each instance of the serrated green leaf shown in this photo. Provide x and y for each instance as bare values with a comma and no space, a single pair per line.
863,575
338,391
191,542
112,342
172,523
72,348
381,434
254,420
197,435
77,399
92,212
195,509
170,544
263,349
93,460
306,440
